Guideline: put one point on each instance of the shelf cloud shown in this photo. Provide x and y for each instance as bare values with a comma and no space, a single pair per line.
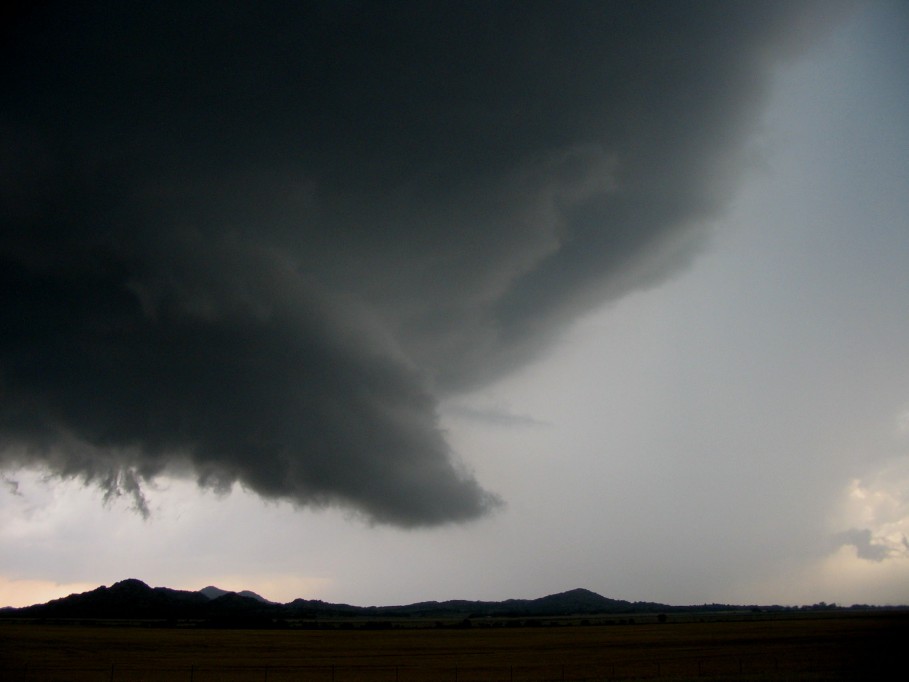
257,243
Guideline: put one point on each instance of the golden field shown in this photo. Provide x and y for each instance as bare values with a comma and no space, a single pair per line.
832,646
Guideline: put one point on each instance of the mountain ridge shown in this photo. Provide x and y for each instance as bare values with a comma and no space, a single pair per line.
134,599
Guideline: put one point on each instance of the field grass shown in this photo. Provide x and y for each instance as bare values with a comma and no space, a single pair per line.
850,646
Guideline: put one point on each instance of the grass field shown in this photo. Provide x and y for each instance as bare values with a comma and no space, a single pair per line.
849,646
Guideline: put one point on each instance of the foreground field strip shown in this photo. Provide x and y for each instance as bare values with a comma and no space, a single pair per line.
642,669
829,648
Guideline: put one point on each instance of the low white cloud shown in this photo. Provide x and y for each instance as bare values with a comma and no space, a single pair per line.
866,545
875,516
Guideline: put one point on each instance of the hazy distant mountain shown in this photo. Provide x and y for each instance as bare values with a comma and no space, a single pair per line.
213,592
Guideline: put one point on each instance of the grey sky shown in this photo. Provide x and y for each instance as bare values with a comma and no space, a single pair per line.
383,321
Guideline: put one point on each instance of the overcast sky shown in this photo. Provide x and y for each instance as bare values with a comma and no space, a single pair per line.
380,303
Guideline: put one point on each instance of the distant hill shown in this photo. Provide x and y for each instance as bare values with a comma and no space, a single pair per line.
213,592
134,600
131,597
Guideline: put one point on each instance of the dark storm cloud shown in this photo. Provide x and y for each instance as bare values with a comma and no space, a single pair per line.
257,241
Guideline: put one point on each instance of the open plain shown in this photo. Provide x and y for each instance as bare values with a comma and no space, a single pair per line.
844,645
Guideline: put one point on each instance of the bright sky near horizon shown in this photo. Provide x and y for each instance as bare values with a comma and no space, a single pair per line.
723,416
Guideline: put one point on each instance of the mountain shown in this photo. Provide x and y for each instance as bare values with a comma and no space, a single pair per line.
573,602
126,599
133,599
578,601
213,592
